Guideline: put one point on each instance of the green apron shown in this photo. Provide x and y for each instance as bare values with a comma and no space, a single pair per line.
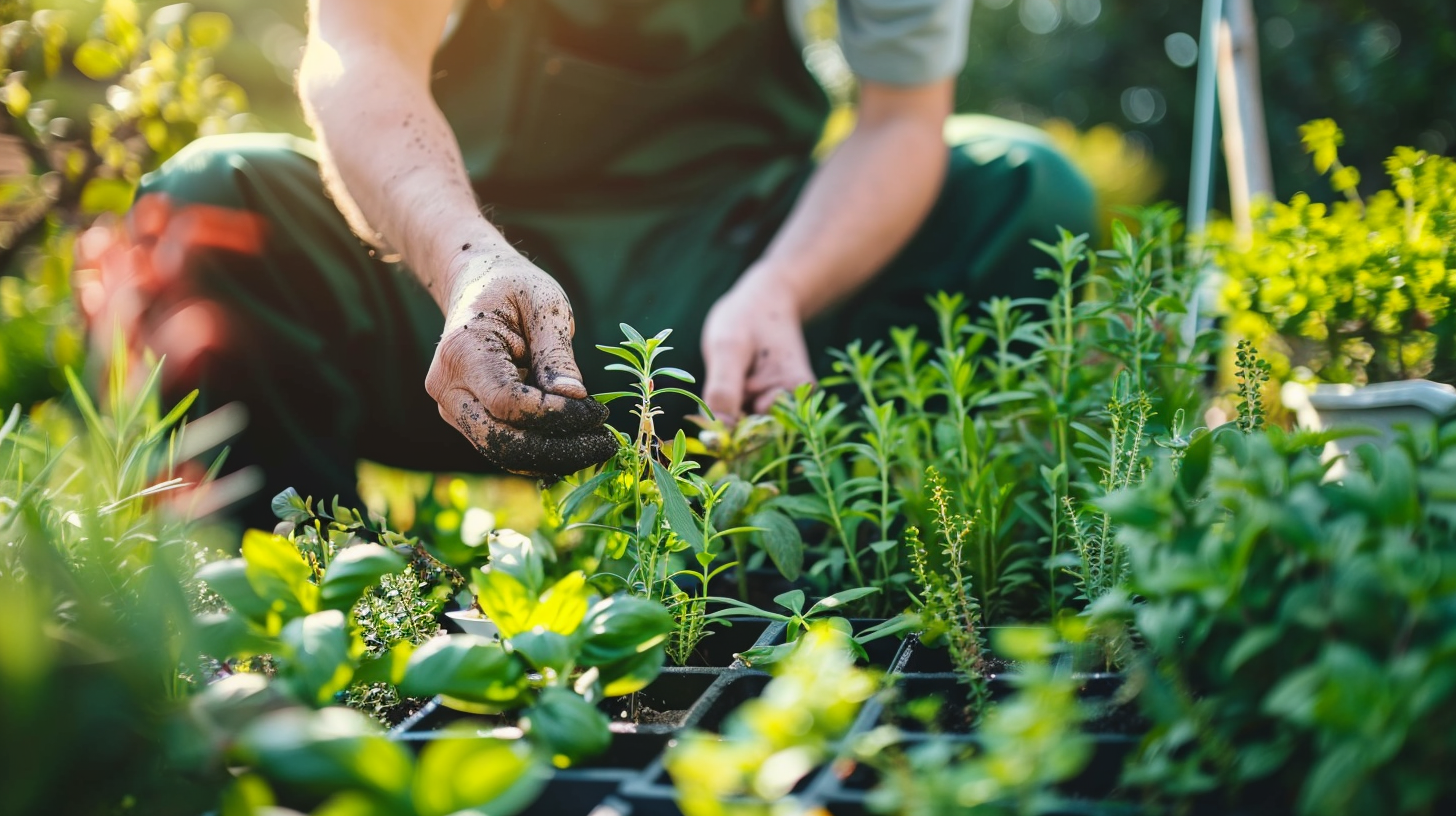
640,151
643,152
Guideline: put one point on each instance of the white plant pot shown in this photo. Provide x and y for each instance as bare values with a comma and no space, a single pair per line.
474,623
1378,408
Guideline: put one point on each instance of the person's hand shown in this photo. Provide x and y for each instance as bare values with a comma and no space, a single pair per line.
504,374
753,347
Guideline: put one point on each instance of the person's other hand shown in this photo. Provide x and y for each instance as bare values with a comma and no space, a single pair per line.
504,374
753,347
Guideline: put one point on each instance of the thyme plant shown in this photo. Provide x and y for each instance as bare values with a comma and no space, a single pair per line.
947,603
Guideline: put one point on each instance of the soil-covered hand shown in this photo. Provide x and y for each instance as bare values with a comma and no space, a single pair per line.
504,374
753,348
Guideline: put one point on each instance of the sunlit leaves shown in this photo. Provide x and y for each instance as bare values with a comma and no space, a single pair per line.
1359,291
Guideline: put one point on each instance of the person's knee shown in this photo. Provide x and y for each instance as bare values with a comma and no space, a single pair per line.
220,170
1045,189
1058,194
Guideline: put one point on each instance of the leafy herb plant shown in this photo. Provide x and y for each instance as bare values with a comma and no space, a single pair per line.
1297,629
1355,292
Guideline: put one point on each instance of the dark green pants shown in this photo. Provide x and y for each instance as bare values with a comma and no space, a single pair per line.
328,346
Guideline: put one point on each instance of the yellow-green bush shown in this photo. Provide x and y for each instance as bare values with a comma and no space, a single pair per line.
1356,292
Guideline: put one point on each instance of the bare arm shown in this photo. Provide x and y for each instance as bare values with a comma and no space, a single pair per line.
389,158
395,170
861,206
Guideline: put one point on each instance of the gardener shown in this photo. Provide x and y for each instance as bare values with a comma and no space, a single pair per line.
639,161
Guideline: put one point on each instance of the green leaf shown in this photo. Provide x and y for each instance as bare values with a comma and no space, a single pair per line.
607,584
545,649
343,803
229,635
470,773
1249,644
388,667
229,578
612,396
760,656
839,599
289,506
355,569
466,667
520,556
504,600
209,29
99,59
101,195
800,507
779,536
675,373
680,517
325,751
247,795
319,663
730,502
561,608
279,574
622,626
792,600
566,725
631,673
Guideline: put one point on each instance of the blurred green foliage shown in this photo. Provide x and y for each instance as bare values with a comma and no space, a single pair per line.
95,609
1379,68
95,94
1358,291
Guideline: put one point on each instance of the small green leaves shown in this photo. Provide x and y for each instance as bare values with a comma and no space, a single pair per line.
631,673
1322,139
512,607
208,29
99,60
291,507
674,373
840,599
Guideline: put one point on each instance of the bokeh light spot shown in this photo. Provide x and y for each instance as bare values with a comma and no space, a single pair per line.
1040,16
1182,49
1084,12
1143,106
1278,32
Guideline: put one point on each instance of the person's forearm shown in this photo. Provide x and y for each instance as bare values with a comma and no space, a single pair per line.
861,206
394,167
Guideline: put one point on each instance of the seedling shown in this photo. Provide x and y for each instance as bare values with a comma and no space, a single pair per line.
797,620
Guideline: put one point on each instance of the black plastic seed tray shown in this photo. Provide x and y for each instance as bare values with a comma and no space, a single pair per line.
629,777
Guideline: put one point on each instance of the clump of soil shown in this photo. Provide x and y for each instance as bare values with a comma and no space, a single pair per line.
632,709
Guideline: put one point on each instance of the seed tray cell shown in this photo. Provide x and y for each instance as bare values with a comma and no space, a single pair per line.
721,647
883,653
